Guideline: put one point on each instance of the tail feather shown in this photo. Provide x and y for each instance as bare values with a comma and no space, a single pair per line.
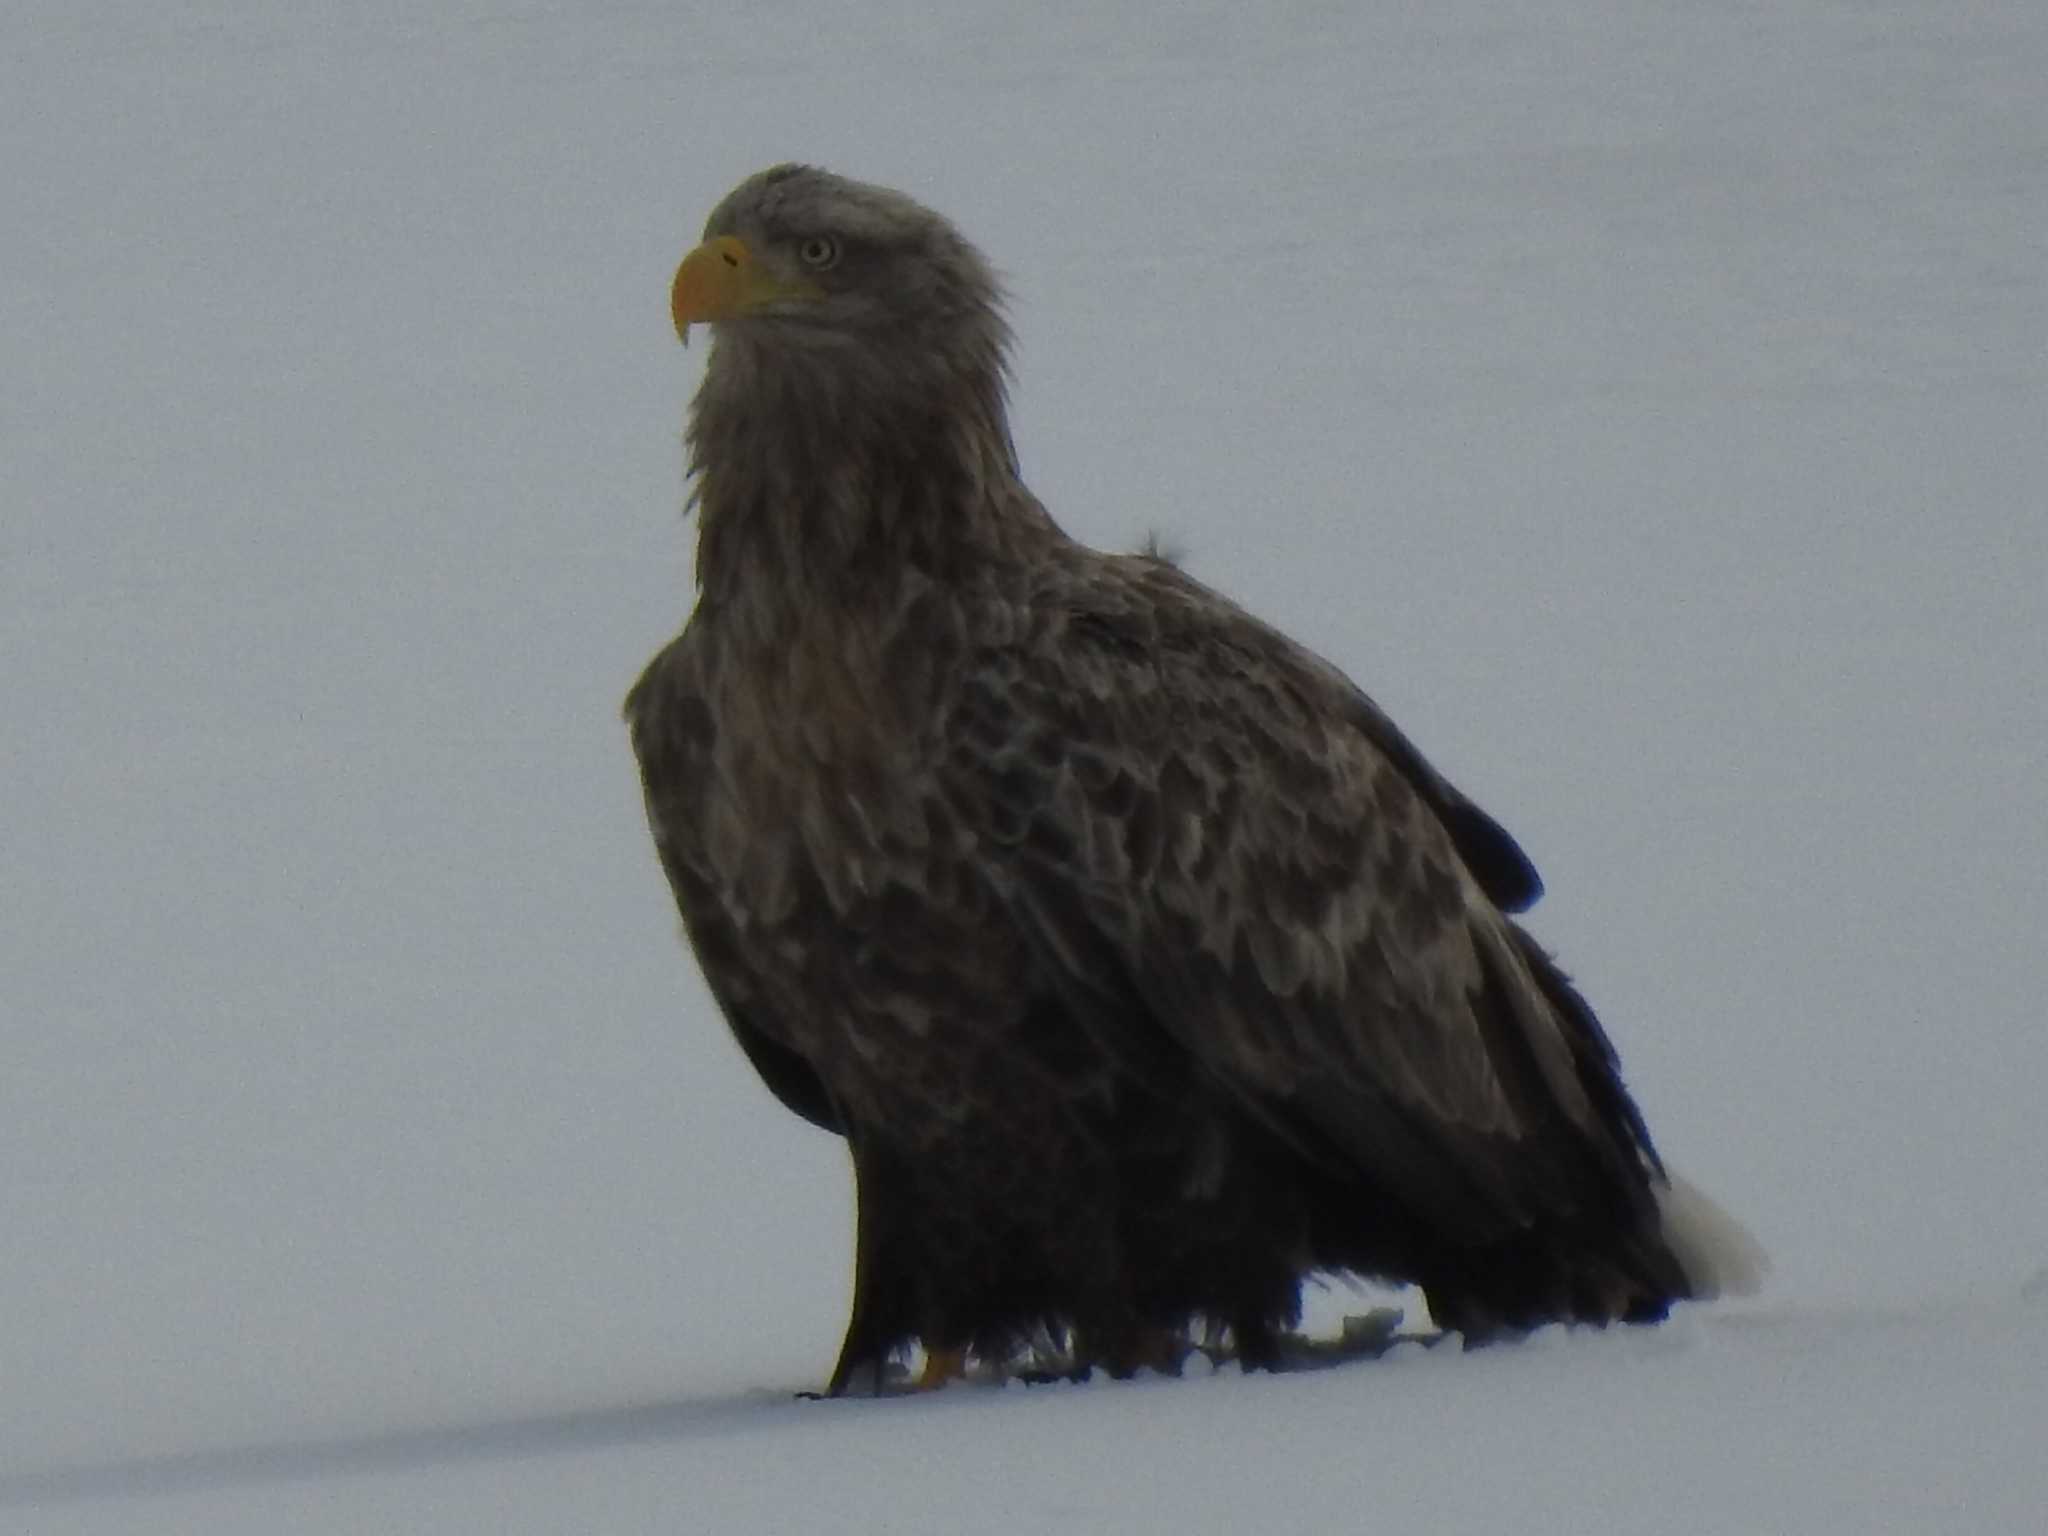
1716,1251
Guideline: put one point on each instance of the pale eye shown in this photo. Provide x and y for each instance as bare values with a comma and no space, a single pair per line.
820,251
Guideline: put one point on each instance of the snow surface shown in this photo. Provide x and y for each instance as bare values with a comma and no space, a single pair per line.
1645,400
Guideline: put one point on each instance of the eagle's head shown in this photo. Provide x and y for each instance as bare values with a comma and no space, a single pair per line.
855,392
799,263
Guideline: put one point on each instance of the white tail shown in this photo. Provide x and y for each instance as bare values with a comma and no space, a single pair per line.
1715,1250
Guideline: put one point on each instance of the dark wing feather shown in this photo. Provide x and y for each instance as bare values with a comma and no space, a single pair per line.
1204,817
673,735
1493,856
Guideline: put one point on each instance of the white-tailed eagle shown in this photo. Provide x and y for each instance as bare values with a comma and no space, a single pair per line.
1144,965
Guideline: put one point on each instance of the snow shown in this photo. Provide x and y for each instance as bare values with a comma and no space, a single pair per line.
1781,1421
1643,400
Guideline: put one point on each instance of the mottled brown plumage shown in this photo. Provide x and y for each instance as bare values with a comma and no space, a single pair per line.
1144,965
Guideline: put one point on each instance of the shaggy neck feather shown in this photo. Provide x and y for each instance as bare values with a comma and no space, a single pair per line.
821,468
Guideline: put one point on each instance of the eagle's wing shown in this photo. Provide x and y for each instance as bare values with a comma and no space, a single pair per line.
673,734
1205,820
1493,856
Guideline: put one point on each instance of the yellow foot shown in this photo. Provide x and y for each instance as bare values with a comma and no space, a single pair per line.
940,1367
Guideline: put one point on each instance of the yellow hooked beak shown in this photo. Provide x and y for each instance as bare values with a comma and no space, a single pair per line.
721,279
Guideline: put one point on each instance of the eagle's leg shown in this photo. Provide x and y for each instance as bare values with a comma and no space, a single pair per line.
859,1363
861,1354
879,1323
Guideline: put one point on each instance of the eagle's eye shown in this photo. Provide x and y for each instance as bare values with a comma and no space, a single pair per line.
819,252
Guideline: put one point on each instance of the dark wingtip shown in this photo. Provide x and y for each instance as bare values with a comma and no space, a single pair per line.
1495,859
